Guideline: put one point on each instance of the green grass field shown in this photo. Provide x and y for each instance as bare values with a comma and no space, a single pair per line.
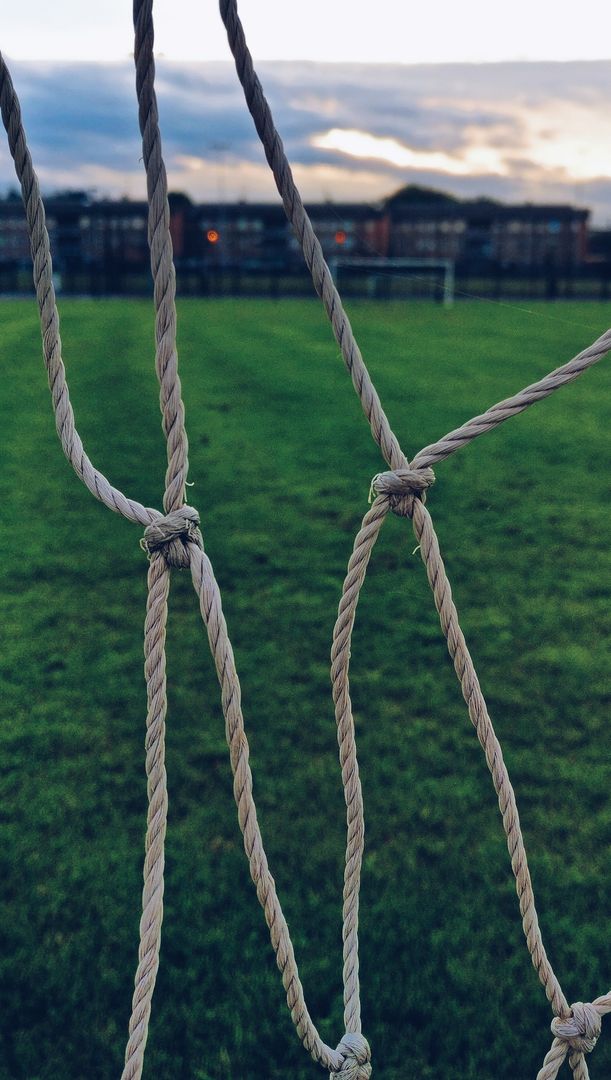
281,459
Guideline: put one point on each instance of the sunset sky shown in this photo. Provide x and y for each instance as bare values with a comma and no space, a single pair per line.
509,102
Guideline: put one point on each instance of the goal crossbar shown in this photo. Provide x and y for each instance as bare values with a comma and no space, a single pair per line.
381,263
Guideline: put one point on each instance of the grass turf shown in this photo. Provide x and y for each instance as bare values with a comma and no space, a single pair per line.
281,459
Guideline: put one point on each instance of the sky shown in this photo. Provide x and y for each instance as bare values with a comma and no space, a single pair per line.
387,31
507,101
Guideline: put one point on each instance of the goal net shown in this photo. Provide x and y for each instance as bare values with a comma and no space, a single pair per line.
396,278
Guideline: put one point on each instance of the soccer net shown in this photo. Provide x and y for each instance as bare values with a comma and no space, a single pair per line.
396,278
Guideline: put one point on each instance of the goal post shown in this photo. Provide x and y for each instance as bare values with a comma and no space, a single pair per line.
375,269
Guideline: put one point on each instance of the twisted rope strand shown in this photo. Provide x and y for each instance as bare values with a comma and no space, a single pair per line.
164,541
503,410
340,661
323,283
70,440
152,894
478,712
99,486
312,251
207,590
162,265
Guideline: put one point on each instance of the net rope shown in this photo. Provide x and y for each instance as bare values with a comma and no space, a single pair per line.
173,539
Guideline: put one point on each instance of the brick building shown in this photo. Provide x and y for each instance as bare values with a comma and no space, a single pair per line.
114,235
109,237
14,240
427,224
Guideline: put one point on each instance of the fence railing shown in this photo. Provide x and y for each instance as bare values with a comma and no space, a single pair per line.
496,283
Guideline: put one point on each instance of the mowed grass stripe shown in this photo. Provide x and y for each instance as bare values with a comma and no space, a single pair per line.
281,459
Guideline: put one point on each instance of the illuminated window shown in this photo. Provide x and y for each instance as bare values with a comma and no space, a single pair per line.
212,236
340,237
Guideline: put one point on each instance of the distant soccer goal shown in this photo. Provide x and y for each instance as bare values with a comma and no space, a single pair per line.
383,277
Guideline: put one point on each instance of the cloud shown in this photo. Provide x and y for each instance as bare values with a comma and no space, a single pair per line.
361,144
517,131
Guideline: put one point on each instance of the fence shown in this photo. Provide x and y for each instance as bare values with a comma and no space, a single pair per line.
471,280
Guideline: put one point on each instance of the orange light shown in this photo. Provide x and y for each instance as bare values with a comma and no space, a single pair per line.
212,236
340,237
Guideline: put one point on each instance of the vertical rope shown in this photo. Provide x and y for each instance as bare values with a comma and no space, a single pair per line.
340,662
162,265
152,894
173,422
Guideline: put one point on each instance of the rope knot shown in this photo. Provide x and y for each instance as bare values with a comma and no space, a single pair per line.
581,1029
356,1058
172,534
402,486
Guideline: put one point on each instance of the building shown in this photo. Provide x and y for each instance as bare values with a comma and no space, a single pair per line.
257,235
113,235
481,232
247,236
14,240
102,244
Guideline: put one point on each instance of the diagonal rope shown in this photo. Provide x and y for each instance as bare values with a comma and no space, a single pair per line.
69,437
503,410
323,283
478,712
310,246
207,590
